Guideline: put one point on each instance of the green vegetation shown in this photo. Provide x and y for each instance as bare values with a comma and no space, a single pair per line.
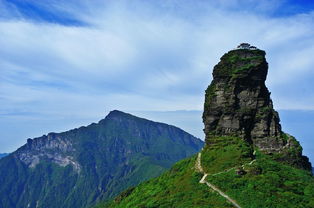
210,93
236,58
285,136
268,183
225,152
234,63
262,112
120,151
291,155
264,182
178,187
243,68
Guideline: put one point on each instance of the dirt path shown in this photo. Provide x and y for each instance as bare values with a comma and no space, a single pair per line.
199,167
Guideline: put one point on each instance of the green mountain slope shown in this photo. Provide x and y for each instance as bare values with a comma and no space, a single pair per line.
79,167
264,183
178,187
267,183
247,161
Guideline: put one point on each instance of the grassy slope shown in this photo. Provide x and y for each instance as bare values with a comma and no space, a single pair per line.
266,183
224,153
178,187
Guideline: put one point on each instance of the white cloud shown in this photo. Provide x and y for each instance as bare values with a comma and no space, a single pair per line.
144,56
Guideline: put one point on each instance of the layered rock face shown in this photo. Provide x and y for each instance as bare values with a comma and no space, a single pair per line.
237,103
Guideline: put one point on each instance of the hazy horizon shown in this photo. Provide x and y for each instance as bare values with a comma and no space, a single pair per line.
298,123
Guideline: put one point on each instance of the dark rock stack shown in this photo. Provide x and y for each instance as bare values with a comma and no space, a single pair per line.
237,103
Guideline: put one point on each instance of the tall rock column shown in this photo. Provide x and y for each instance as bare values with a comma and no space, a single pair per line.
237,103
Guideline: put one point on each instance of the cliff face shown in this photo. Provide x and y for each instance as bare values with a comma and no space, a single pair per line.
237,103
51,148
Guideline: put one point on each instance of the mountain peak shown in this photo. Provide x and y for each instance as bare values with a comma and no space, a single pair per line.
238,103
117,113
90,163
120,116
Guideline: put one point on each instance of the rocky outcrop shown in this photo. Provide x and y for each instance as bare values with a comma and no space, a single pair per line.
51,148
237,103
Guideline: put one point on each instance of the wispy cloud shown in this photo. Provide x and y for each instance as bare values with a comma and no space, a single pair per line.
81,58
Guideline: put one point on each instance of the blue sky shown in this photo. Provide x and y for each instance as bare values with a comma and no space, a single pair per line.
68,63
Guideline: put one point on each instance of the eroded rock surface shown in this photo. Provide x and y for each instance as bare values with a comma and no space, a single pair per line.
237,103
52,148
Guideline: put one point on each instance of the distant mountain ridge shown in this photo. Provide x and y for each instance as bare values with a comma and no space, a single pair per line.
3,154
79,167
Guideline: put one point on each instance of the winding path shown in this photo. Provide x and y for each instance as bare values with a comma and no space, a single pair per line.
199,167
